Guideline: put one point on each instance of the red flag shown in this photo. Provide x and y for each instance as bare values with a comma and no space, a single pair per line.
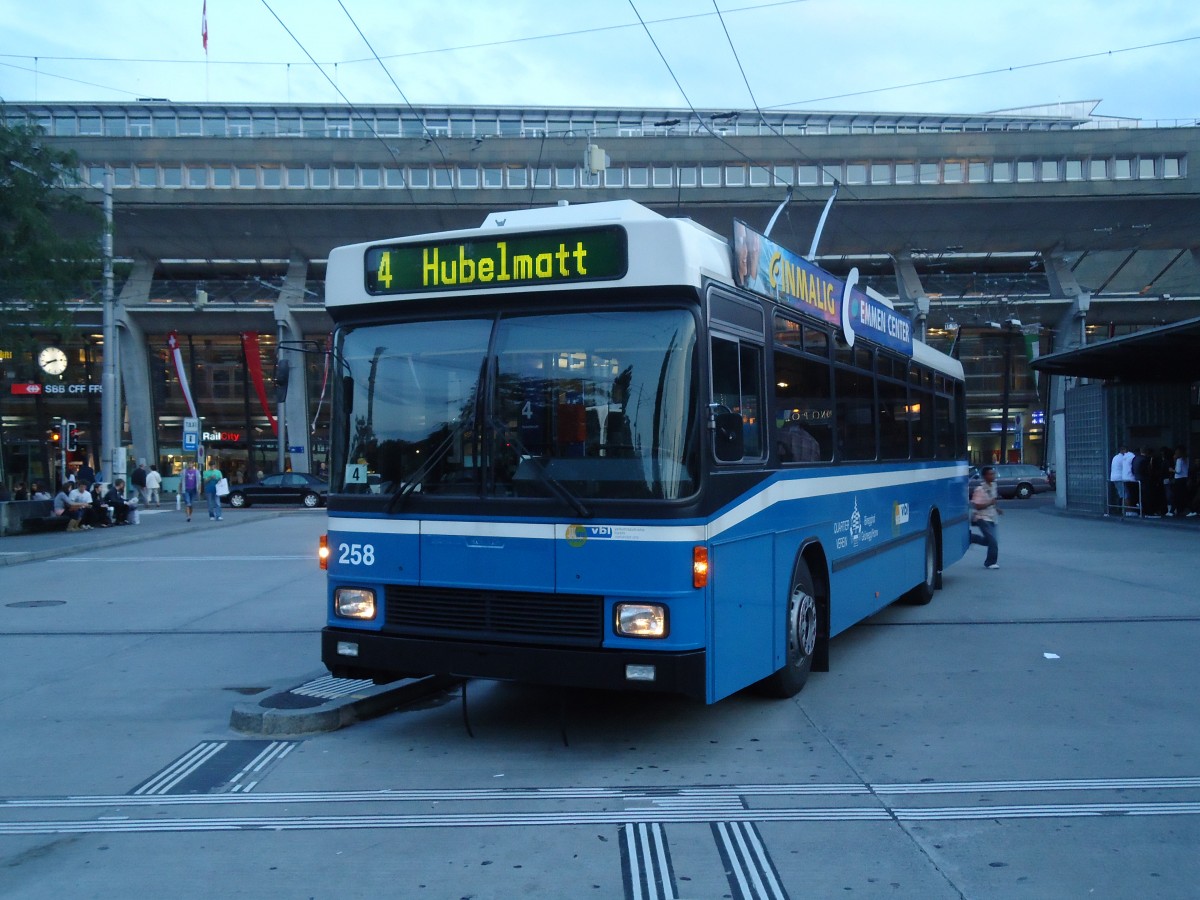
254,365
204,26
181,372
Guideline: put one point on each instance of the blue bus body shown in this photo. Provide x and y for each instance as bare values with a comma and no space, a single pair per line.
528,551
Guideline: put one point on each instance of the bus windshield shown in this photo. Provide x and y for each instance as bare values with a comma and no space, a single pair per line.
596,405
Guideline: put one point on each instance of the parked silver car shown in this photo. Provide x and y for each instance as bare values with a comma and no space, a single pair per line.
1016,480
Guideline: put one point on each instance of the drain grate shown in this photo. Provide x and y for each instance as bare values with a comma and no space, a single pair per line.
330,688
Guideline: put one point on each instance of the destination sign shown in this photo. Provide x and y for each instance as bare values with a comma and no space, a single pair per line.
548,257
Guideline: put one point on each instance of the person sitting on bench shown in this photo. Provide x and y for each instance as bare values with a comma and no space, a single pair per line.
96,515
116,499
64,506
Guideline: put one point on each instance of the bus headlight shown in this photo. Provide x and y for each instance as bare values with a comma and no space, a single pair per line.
354,603
648,620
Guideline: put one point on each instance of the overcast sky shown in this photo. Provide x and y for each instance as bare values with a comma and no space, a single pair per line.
967,55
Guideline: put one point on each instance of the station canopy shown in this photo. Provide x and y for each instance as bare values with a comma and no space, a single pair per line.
1168,353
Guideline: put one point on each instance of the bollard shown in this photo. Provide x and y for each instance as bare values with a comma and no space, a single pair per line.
178,501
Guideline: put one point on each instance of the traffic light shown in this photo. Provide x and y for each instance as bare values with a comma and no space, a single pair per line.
55,437
282,372
72,433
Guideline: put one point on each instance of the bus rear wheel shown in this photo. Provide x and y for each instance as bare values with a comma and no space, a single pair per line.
923,592
801,625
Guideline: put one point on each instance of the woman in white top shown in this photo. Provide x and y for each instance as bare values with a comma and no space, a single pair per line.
1179,484
153,485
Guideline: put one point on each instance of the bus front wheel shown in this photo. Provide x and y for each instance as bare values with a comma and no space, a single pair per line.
801,624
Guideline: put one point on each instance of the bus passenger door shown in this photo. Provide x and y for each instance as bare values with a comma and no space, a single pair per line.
742,551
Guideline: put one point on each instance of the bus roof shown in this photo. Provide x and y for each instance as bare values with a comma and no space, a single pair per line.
617,243
654,251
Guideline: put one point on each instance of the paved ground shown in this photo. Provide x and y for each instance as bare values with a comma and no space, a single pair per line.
1033,733
155,522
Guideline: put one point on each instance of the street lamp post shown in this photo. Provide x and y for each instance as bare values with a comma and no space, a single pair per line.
110,381
1011,328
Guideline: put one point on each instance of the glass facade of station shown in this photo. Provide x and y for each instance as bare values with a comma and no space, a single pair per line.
309,156
237,429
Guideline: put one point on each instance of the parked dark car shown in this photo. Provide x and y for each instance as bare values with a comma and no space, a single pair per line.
282,487
1016,480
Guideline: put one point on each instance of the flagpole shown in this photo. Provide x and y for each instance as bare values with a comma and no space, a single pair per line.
204,41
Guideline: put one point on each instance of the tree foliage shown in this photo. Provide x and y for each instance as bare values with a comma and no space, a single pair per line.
46,258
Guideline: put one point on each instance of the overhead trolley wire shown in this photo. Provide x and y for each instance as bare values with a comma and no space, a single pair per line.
706,125
774,130
429,135
480,46
354,109
38,72
1033,65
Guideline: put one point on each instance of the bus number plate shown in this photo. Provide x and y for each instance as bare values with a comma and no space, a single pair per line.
356,554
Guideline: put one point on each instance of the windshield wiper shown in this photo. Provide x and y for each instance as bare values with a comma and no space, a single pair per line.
418,477
560,490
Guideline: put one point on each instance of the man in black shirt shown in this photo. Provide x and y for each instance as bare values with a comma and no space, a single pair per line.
116,499
138,480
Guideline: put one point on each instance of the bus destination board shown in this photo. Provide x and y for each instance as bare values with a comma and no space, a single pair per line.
522,260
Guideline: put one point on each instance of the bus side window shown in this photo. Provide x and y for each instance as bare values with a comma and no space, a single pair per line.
737,394
803,408
855,413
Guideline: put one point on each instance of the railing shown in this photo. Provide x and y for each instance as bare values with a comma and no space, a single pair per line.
159,121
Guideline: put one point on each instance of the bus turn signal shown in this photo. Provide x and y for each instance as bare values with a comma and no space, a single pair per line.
699,567
323,551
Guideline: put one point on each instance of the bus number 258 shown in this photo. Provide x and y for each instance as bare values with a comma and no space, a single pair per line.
356,554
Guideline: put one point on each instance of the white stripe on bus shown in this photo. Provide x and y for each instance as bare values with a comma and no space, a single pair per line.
777,492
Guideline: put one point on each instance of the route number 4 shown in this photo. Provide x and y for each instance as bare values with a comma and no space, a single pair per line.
356,554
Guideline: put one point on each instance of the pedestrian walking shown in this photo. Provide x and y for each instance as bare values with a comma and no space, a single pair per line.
211,477
983,516
190,485
138,481
153,485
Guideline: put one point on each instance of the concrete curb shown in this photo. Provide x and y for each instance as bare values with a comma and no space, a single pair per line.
265,716
119,537
1174,522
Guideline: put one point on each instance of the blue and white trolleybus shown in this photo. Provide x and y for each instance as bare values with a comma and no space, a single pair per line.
594,446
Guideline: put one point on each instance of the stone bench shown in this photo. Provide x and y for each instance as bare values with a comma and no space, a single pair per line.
15,514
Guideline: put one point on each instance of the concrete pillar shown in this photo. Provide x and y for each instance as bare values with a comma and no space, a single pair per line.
910,290
296,408
1069,334
1070,331
135,367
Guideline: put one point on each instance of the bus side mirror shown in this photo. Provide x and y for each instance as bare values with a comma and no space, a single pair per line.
728,441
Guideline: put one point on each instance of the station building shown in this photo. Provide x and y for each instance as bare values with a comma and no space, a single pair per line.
1004,236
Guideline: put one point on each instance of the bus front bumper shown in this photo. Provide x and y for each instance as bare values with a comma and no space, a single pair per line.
386,657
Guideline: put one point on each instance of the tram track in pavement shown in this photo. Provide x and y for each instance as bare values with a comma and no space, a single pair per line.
756,803
722,834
